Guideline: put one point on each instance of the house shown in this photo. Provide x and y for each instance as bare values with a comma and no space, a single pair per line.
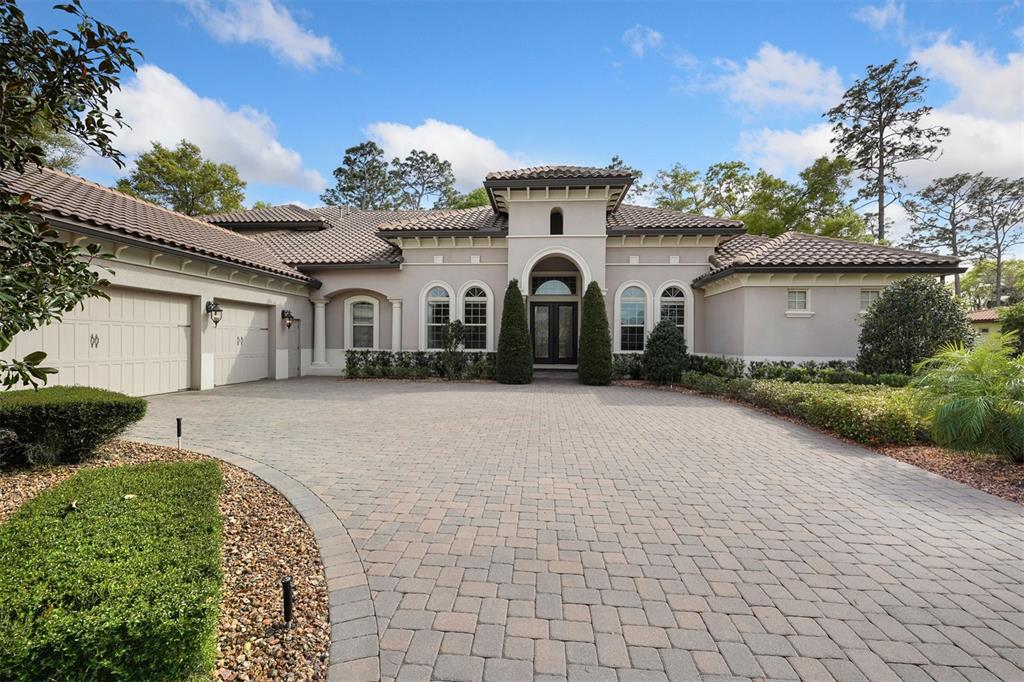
296,288
985,321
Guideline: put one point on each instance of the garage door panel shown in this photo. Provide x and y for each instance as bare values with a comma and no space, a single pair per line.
242,344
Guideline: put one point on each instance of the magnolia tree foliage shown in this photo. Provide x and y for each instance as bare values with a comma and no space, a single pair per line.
1011,321
909,322
53,86
595,360
514,361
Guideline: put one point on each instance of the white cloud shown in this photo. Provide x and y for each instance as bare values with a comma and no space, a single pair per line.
776,78
471,156
986,86
881,17
640,39
265,23
785,152
160,108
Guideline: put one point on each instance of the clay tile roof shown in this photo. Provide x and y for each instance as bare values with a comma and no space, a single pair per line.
987,315
59,195
559,173
480,219
639,218
797,250
285,215
350,238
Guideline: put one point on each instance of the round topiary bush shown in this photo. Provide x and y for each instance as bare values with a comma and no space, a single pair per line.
514,362
664,353
909,322
595,361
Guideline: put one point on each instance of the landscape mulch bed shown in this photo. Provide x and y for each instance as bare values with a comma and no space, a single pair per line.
991,474
264,539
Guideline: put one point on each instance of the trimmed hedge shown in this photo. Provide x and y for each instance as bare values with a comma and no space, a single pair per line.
386,364
627,366
830,372
114,574
664,353
62,424
867,414
514,362
595,364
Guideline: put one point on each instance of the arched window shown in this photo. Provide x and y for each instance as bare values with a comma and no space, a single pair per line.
474,317
556,221
632,317
673,307
362,322
437,315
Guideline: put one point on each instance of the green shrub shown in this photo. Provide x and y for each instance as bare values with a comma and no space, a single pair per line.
909,322
417,364
1011,319
731,368
595,362
867,414
63,424
974,399
452,356
627,366
664,353
114,574
514,364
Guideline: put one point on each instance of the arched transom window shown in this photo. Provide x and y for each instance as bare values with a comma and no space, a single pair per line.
474,317
632,316
673,307
362,324
437,315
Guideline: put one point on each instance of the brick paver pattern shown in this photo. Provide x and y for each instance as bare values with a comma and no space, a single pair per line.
558,531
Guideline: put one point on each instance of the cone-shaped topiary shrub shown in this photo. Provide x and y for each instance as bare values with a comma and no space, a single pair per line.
514,363
664,353
595,363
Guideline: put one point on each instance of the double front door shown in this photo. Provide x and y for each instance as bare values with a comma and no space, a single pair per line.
553,327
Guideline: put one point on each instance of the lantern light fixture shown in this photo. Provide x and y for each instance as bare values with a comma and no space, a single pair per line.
215,312
288,318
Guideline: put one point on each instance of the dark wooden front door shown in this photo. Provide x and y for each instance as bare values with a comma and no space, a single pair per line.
553,329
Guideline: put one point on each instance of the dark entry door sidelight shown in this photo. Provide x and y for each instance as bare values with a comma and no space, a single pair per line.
553,327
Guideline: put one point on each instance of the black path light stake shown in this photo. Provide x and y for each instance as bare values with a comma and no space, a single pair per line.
179,433
286,592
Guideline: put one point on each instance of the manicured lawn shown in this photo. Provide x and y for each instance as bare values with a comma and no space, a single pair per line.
114,574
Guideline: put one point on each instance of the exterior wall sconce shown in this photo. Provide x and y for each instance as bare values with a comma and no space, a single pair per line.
288,318
215,312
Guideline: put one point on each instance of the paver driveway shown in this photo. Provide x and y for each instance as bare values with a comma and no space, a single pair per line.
616,533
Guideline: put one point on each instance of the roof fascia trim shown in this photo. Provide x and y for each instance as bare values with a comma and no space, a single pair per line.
938,269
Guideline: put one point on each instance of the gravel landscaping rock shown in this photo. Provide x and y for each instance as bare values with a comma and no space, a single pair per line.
264,540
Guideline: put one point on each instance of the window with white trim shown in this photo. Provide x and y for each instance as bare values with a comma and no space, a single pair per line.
474,319
362,321
632,319
437,315
868,298
796,299
673,307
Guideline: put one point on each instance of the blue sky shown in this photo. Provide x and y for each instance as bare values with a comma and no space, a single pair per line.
281,88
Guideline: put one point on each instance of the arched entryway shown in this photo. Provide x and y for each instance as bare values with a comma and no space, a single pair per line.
554,287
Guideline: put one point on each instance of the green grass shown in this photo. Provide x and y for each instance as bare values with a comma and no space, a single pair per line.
119,589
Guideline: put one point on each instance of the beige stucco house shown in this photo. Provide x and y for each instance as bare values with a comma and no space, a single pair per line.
985,321
299,287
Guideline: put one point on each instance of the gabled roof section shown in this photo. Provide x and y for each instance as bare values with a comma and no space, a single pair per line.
480,220
505,186
630,219
62,196
801,252
286,216
986,315
559,173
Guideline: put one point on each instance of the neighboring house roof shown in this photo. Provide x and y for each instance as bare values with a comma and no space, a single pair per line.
796,251
349,239
986,315
59,195
287,216
480,219
559,173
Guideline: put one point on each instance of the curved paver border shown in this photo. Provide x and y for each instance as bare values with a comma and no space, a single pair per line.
355,643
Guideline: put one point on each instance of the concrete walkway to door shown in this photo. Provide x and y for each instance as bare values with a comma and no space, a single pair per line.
561,531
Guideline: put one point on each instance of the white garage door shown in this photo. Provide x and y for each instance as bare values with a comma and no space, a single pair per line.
243,339
137,343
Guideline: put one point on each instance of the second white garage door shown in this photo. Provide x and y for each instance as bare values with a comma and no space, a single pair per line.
243,342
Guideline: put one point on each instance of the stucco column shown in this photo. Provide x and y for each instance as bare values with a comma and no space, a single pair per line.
396,323
319,333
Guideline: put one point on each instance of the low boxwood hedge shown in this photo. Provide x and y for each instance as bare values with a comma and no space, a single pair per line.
114,574
62,424
386,364
872,415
